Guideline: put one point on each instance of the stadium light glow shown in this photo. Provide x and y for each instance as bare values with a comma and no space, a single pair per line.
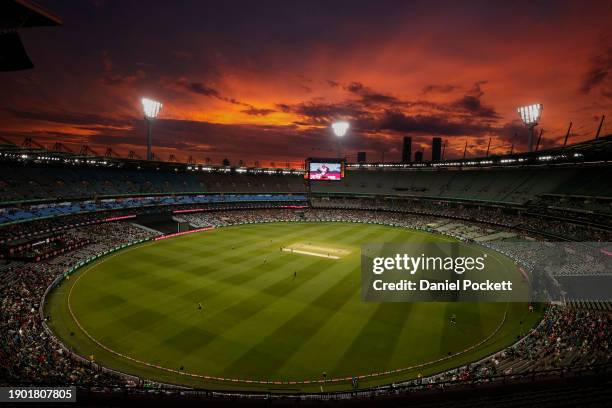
151,109
340,128
530,115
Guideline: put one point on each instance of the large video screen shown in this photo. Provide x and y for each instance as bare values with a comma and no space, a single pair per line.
325,170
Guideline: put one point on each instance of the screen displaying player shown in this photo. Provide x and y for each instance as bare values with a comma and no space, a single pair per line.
325,171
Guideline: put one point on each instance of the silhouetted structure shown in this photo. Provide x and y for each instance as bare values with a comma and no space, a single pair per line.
407,149
436,149
418,156
361,157
16,15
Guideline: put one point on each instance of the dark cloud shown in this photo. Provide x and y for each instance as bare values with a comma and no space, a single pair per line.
303,77
323,113
111,77
433,88
399,122
370,97
511,134
72,118
201,89
258,111
599,74
376,112
305,88
284,107
354,87
473,106
380,99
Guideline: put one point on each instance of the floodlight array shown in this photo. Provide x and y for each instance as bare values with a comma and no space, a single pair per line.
151,108
340,128
530,114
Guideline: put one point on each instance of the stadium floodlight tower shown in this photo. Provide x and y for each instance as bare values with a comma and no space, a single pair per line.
151,109
340,128
530,115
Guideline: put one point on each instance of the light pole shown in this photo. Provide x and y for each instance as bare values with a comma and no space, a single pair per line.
340,128
530,115
151,109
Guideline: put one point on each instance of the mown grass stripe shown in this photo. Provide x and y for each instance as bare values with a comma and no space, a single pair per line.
157,319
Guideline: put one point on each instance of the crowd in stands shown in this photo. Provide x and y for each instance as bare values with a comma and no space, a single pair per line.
499,185
9,232
27,352
575,204
565,338
224,218
533,224
32,182
48,248
46,210
23,230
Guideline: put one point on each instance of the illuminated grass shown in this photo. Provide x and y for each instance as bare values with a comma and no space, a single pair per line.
260,322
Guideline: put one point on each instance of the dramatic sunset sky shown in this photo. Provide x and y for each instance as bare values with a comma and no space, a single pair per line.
262,80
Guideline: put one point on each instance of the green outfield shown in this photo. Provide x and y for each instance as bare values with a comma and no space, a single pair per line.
280,301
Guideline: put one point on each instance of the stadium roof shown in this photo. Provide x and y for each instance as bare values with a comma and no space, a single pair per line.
592,151
601,146
16,14
596,150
